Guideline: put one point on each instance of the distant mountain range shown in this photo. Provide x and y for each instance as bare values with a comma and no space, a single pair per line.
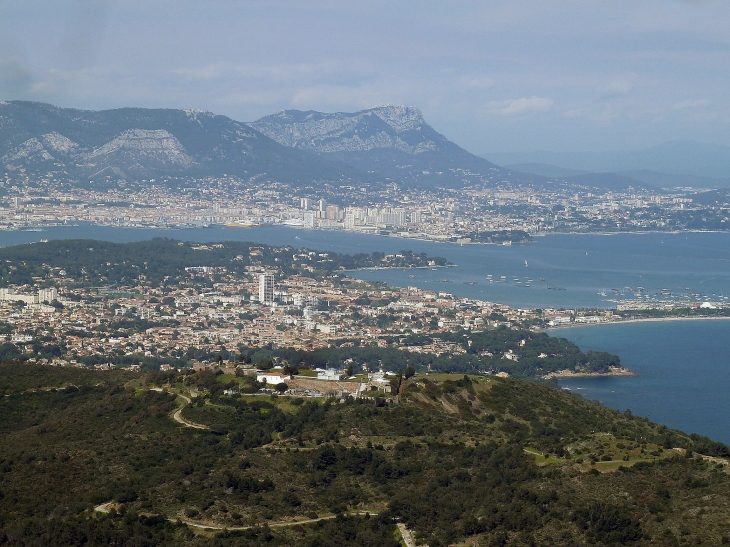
369,147
391,143
136,143
674,163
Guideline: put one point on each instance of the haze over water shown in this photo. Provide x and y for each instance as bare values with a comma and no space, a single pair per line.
684,367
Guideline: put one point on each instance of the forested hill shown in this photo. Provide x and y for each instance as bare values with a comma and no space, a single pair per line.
95,263
117,458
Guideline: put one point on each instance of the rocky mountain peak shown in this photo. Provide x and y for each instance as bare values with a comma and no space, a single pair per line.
384,127
400,118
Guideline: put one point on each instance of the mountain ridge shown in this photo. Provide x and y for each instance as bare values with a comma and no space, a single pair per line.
395,140
142,143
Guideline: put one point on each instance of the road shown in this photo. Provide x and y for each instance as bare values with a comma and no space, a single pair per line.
177,416
406,534
270,524
104,508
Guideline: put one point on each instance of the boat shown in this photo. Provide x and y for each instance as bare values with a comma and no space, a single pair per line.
242,224
525,262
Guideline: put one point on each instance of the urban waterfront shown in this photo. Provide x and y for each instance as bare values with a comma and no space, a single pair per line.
682,366
556,271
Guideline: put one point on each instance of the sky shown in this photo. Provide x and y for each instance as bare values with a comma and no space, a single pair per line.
491,75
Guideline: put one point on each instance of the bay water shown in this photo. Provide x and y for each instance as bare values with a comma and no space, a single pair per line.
683,372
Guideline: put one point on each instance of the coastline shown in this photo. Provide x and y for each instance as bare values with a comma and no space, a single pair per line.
639,320
615,372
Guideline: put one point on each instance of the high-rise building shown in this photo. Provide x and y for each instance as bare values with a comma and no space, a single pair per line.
349,221
309,219
266,288
333,212
304,203
48,295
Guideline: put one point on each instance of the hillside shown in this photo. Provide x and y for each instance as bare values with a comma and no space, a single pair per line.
392,140
613,182
106,458
135,143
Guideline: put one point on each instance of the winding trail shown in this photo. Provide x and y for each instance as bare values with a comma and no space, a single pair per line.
177,416
270,524
105,507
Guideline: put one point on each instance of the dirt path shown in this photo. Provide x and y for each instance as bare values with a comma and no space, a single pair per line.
712,459
104,507
177,416
270,524
406,534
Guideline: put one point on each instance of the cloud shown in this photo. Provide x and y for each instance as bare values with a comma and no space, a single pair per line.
15,78
691,105
518,107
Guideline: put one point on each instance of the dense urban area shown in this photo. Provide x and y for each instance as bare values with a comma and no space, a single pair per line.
476,214
166,304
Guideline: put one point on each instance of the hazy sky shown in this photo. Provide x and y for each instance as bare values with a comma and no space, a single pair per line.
491,75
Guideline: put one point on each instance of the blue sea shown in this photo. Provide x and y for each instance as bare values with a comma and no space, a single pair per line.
683,367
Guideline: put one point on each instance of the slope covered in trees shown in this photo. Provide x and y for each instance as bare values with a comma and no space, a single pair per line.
457,459
162,260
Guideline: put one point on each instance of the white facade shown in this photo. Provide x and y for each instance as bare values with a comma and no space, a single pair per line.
330,374
272,378
266,288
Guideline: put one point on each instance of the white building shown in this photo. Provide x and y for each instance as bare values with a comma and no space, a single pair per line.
48,295
330,374
266,288
272,378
